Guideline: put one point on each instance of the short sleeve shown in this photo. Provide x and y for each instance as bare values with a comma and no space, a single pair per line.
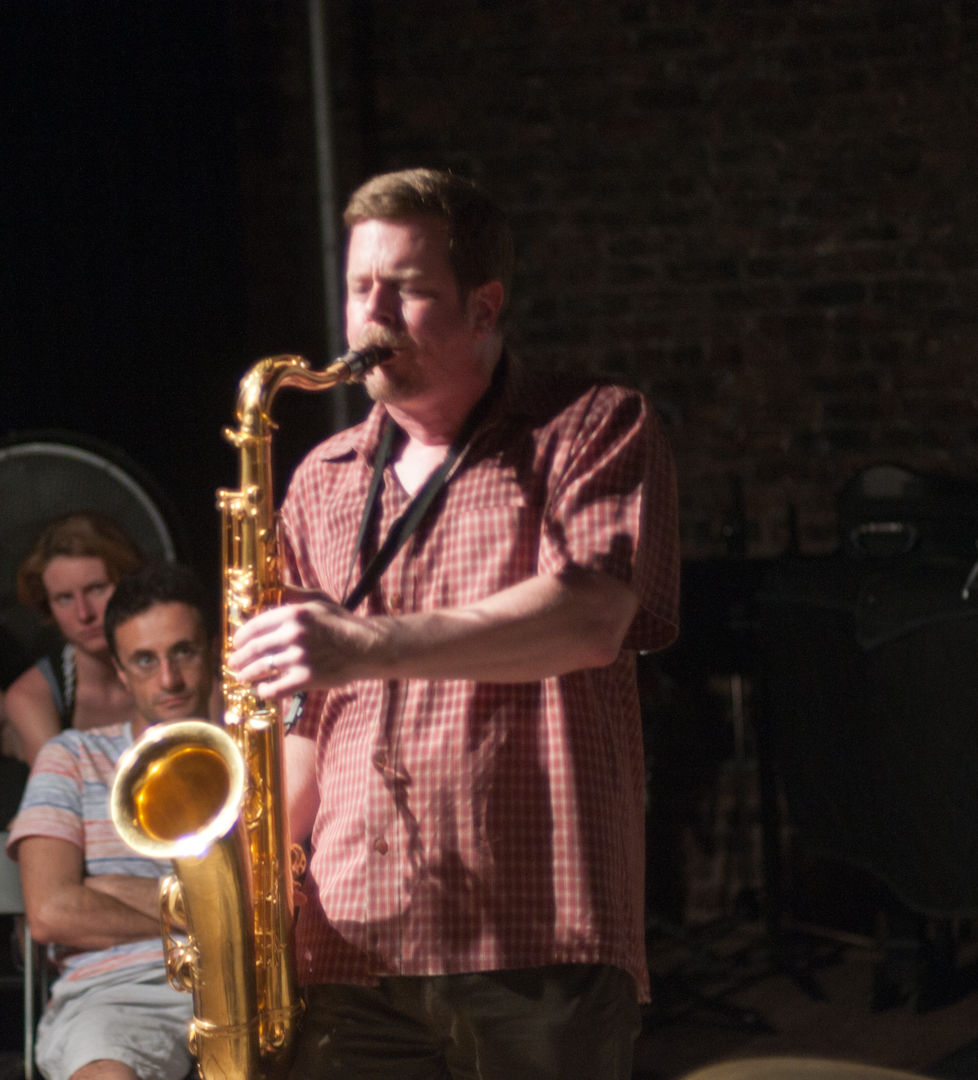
52,802
612,507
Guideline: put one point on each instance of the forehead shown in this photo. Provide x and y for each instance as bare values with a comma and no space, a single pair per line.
159,627
66,572
404,243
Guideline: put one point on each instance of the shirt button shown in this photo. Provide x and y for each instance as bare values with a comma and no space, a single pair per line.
380,759
380,845
396,601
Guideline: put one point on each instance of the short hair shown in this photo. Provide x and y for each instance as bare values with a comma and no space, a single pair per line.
480,244
164,583
77,535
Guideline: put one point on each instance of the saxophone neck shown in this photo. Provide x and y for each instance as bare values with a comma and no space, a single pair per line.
250,555
257,391
262,382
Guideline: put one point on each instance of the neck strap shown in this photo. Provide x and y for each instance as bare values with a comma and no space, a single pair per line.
405,525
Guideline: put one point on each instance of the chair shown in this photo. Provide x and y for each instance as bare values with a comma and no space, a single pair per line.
12,903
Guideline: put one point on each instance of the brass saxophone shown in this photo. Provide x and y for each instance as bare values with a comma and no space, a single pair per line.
212,800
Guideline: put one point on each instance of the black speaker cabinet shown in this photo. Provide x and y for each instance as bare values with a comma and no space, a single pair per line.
870,674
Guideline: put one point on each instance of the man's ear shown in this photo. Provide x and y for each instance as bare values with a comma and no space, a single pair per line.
121,672
484,304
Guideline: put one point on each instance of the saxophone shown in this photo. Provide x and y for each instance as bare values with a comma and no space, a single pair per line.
212,800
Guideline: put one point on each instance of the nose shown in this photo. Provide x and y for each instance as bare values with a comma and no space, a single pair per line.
84,608
171,675
380,306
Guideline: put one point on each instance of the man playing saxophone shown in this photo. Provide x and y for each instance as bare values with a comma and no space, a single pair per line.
112,1015
469,761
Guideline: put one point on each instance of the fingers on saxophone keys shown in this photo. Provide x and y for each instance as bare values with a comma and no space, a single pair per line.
285,682
250,660
253,670
262,625
267,668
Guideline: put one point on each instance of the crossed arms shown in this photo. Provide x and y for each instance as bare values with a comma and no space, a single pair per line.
67,908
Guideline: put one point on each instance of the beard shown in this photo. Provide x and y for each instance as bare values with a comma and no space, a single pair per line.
397,379
394,384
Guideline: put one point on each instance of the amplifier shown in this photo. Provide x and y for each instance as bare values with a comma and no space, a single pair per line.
890,510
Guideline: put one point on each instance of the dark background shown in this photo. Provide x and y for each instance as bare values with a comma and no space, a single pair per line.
762,213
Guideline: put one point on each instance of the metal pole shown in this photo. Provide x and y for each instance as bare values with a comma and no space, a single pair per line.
28,1003
329,240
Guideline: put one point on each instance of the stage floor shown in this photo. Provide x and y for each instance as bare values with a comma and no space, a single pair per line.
935,1043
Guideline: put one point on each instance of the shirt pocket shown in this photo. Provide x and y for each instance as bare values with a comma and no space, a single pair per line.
479,550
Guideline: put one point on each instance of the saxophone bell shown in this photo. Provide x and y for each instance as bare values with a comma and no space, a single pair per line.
178,795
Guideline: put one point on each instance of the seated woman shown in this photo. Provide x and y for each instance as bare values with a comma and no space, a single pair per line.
69,575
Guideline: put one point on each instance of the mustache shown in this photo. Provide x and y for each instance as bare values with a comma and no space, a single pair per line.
382,336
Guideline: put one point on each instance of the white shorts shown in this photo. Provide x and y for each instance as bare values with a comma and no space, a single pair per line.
135,1018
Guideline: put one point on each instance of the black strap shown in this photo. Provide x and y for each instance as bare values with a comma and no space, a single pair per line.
405,525
383,456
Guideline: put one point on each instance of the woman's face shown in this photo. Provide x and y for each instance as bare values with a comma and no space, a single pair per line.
78,589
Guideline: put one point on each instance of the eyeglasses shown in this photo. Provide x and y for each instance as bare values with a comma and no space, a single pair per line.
145,664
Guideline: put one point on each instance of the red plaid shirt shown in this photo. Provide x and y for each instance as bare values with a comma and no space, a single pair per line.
468,826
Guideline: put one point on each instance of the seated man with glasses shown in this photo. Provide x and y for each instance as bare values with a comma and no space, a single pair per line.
112,1015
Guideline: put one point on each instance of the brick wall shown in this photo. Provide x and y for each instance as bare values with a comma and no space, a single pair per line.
762,213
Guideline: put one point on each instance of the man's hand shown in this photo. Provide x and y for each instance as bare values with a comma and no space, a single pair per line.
547,625
312,642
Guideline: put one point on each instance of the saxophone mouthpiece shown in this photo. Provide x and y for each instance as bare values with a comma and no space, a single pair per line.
361,360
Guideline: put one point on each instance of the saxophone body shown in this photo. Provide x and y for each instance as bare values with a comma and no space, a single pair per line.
212,800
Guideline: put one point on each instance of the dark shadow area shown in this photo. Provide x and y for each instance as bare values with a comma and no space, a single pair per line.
122,277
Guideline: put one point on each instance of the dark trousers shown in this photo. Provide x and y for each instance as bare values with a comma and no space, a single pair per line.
564,1022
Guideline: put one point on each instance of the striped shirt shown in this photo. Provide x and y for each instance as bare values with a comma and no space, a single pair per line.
67,798
469,826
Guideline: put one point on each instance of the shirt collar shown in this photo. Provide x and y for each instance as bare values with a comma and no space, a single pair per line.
364,438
